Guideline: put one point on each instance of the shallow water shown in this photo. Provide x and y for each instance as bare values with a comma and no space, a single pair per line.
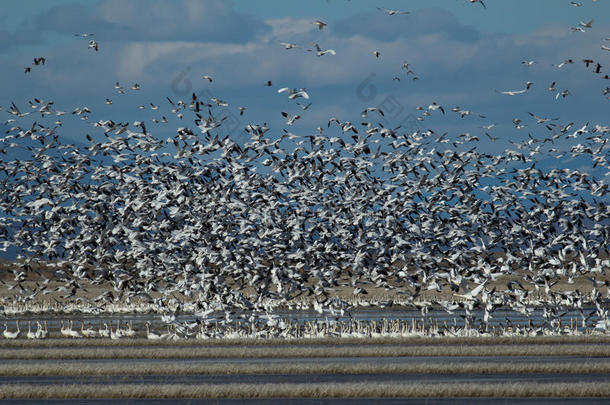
333,401
311,378
501,318
344,360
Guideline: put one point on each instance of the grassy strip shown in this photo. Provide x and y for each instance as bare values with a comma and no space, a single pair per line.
305,368
598,350
478,340
316,390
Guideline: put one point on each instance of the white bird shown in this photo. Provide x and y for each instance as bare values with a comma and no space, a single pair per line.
88,333
116,334
320,52
304,107
586,24
151,335
30,334
540,120
288,45
105,331
68,331
365,112
516,92
359,291
434,106
128,331
471,295
320,24
219,102
291,119
11,335
392,12
294,93
565,62
511,92
93,45
41,333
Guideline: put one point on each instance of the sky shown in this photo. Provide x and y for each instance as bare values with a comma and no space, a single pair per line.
460,52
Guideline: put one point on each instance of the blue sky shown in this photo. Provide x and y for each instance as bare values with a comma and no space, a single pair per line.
460,52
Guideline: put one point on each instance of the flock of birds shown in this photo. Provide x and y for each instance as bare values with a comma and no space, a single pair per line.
200,219
276,327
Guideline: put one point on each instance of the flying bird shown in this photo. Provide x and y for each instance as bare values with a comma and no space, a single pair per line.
288,45
320,24
394,208
434,106
291,118
294,93
320,52
392,12
565,62
304,107
562,94
516,92
587,24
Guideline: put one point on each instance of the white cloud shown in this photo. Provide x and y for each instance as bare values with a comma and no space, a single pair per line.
288,27
138,59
